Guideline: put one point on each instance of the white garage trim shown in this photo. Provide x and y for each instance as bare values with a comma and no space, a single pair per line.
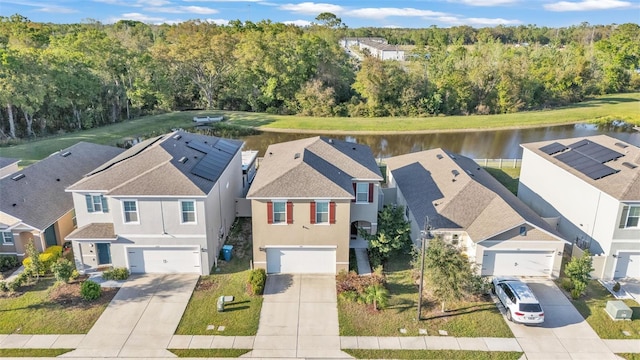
627,264
163,259
301,259
517,262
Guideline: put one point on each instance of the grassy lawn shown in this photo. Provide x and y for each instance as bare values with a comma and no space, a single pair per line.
507,176
592,305
434,354
210,353
36,311
616,106
240,317
31,353
468,319
630,356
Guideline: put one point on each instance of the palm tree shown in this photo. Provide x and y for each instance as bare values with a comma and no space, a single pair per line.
377,295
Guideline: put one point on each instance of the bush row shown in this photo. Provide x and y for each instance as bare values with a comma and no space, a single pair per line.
48,257
257,279
116,274
8,262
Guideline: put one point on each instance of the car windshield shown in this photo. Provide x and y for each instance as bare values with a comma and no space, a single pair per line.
530,308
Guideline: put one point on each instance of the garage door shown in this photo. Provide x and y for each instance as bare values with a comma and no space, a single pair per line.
301,260
164,260
517,263
628,264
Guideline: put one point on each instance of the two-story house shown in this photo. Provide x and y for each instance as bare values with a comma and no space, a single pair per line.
307,200
33,204
163,206
591,187
451,196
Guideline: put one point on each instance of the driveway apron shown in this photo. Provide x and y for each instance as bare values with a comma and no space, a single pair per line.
564,334
141,318
299,318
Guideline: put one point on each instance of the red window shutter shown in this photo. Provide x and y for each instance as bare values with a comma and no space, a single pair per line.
370,192
355,192
270,212
332,212
289,212
312,213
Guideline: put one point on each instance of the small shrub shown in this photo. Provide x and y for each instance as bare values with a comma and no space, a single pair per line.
578,290
8,262
349,295
75,274
257,278
616,287
13,285
3,286
566,284
116,274
90,290
62,269
47,258
350,281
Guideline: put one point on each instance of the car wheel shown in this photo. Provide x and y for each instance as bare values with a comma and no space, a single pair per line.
509,315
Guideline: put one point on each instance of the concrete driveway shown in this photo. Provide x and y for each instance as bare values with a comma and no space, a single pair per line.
299,318
141,318
631,286
564,334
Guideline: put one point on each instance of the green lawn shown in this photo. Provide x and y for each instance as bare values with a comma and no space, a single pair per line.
616,106
630,356
33,312
465,319
507,176
592,305
434,354
210,353
31,353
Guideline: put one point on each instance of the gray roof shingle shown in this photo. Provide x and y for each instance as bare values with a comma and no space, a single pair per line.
39,198
102,231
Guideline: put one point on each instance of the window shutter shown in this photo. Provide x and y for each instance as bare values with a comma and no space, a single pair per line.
355,192
289,212
332,212
312,213
105,206
89,203
370,192
270,212
623,218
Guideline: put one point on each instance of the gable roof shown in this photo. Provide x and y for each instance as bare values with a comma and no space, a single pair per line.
623,182
38,198
456,193
175,164
316,167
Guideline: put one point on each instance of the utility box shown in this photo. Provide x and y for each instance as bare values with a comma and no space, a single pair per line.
223,300
618,310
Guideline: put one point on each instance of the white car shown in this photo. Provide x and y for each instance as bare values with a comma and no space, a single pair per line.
521,304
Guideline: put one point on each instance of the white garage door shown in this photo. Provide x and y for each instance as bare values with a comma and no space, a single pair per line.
164,260
301,260
628,264
517,263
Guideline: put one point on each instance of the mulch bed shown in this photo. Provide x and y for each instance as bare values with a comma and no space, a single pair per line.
69,296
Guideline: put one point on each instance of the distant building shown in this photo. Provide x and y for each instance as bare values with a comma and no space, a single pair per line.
378,47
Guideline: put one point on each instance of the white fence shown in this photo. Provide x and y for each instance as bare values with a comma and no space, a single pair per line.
499,163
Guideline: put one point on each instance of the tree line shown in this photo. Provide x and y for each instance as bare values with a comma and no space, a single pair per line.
64,77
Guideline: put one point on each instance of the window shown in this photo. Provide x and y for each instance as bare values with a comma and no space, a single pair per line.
96,203
279,212
523,231
188,209
7,237
322,212
130,208
362,192
74,219
630,217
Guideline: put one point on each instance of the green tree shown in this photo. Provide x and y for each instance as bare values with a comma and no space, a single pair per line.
376,295
579,271
35,267
394,234
62,270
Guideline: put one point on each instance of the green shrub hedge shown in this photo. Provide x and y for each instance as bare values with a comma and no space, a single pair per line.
8,262
257,278
48,257
90,290
116,274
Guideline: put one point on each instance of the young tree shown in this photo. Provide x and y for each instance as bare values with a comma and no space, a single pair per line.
35,267
393,233
376,295
579,271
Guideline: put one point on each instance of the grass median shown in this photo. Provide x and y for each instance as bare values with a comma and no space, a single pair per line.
434,354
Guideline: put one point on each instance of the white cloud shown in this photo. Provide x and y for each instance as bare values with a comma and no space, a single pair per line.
155,3
311,8
41,6
224,1
137,17
587,5
183,10
485,2
301,23
453,20
218,21
57,9
381,13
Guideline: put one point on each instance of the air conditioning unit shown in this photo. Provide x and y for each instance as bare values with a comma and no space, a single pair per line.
618,310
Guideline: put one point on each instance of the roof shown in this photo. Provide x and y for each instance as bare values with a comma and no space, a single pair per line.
248,157
457,194
316,167
4,162
175,164
622,181
96,231
38,198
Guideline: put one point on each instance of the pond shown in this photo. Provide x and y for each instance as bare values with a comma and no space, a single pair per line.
478,144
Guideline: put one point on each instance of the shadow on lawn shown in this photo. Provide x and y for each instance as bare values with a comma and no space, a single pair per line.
461,311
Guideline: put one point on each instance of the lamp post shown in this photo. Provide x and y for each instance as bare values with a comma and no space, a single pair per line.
424,237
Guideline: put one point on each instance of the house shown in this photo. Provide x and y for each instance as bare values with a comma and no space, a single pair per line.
591,187
308,199
33,203
8,166
451,196
163,206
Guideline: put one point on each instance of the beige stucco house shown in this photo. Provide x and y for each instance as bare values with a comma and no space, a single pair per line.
451,196
308,198
164,206
33,203
591,187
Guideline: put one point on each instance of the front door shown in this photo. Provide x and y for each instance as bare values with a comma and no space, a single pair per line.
104,253
50,236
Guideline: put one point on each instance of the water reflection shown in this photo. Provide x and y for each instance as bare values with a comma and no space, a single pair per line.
478,144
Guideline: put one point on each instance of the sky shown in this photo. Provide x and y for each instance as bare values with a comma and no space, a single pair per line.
354,13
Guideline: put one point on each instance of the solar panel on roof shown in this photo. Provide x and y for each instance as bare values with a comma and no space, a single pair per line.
199,146
586,165
595,151
212,165
226,146
553,148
